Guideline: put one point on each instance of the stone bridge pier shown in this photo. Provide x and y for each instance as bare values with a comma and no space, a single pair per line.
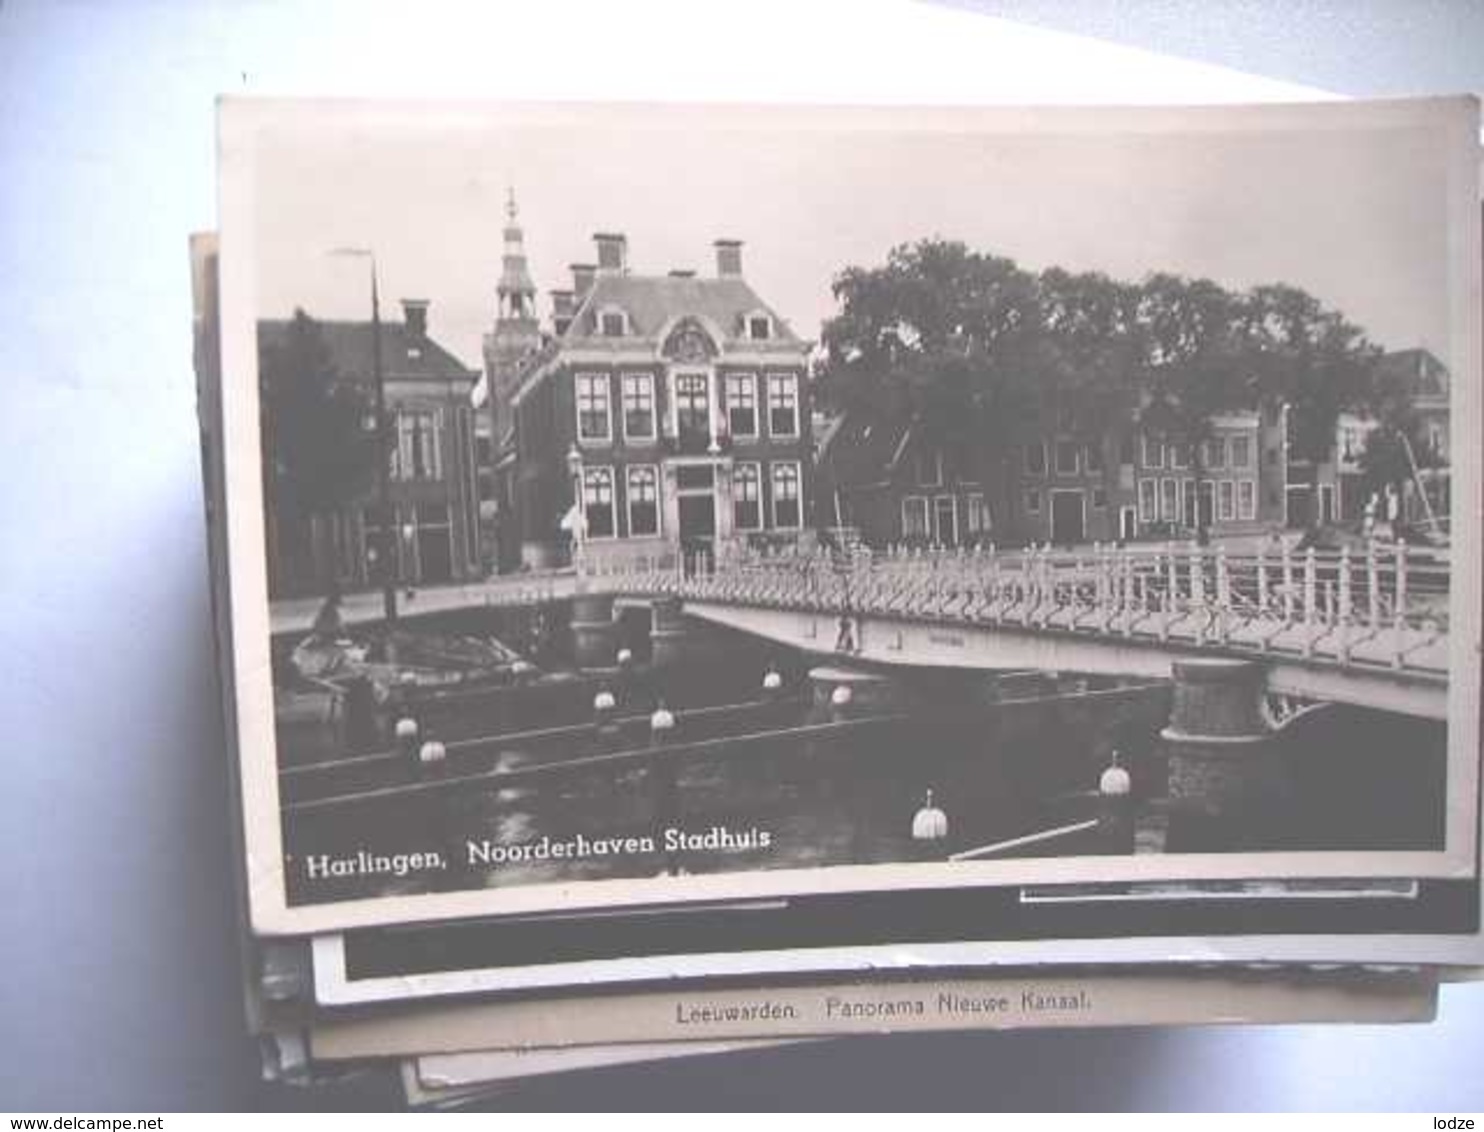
668,634
594,631
1229,786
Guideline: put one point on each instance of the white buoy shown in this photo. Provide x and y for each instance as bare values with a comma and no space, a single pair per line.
772,681
842,695
604,701
929,823
432,751
406,729
625,657
662,722
1114,782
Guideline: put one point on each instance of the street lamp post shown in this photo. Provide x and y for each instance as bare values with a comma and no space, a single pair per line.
386,533
579,519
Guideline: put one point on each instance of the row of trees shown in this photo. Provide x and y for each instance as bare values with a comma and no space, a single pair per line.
975,348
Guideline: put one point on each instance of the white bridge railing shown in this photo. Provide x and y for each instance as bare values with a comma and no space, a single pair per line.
1382,605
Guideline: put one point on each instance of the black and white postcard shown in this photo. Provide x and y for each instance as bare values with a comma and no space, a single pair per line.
670,506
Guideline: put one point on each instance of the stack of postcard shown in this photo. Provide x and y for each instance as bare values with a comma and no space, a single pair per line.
690,577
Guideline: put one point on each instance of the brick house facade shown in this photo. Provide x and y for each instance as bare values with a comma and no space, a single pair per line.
894,484
433,488
674,409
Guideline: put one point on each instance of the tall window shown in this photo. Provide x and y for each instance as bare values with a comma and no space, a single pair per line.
787,513
419,453
343,545
747,497
1033,502
928,466
1216,452
381,546
642,490
1436,441
783,404
1169,501
1154,451
1035,458
976,516
1179,455
594,421
1066,457
1241,452
1148,504
1247,499
597,501
741,394
915,518
1093,457
1226,501
638,406
692,409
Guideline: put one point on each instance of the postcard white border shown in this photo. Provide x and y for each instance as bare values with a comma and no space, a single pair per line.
241,122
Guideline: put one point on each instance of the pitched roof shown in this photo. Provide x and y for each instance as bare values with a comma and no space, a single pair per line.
1423,374
653,301
404,356
865,449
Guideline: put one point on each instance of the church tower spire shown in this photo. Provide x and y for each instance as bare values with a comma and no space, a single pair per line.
516,292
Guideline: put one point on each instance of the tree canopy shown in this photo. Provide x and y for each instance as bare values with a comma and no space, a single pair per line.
970,343
319,440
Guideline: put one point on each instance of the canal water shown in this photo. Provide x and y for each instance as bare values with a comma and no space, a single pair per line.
781,784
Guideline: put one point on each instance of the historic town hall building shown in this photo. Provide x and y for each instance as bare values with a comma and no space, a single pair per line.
672,408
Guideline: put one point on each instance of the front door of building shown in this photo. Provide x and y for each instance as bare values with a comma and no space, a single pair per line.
697,530
945,521
1208,503
1299,506
695,502
1067,520
1327,503
1128,524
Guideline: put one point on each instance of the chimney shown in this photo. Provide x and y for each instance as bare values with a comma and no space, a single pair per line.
415,315
682,273
728,258
613,252
563,306
582,279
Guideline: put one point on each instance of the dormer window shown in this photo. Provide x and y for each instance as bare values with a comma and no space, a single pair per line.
759,327
612,322
929,468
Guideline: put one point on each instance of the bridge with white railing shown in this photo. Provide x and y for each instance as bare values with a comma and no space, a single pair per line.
1365,626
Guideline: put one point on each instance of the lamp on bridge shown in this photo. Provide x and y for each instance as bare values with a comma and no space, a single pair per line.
1114,781
1115,809
575,523
661,723
772,682
930,823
